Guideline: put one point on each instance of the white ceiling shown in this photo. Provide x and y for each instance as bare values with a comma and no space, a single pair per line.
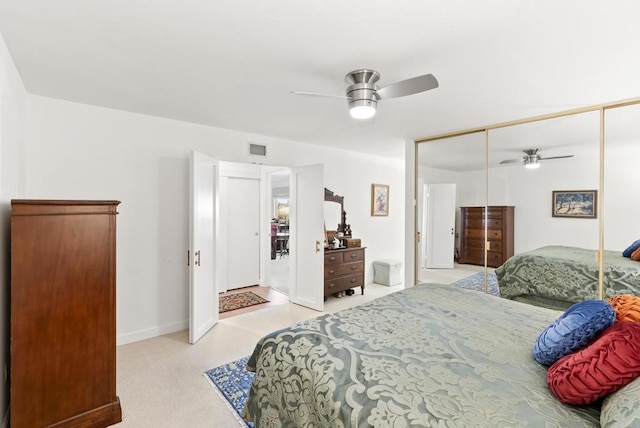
232,63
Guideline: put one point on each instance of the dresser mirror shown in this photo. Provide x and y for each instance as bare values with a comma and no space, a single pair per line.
594,149
334,216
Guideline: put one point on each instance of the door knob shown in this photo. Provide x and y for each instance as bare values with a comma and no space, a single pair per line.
317,246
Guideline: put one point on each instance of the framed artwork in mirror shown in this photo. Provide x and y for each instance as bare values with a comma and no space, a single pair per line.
574,203
379,200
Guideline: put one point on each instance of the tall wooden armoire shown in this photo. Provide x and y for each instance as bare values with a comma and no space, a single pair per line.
63,322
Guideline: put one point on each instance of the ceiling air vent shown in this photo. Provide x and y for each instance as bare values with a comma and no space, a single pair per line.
257,150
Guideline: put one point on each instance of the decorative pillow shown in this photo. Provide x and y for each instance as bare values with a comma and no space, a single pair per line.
574,329
627,307
631,248
622,408
605,366
636,255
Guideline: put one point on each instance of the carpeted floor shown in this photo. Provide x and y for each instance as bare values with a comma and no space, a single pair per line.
476,282
231,302
232,382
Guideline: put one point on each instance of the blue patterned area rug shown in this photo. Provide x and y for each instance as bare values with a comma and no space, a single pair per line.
232,382
476,282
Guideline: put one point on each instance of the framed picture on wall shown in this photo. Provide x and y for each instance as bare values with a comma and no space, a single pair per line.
574,203
379,200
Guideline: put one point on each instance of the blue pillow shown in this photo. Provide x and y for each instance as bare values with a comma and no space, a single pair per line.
631,248
574,329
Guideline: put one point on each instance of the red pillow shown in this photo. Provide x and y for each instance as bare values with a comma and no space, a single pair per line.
603,367
627,307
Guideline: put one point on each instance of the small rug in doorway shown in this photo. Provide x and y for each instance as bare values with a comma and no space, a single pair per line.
232,381
476,282
231,302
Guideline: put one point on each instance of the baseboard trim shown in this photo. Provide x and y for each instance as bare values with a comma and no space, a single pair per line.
149,333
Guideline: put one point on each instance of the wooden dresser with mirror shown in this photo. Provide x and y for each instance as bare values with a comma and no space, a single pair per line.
343,267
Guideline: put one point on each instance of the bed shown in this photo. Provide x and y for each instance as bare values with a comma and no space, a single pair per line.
559,276
431,355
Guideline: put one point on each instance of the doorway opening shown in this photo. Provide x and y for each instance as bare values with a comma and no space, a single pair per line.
279,266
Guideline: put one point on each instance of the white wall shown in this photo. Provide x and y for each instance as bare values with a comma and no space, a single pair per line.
12,172
530,192
622,187
78,151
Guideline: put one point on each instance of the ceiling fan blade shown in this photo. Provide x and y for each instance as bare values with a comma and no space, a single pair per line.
318,94
511,161
557,157
408,87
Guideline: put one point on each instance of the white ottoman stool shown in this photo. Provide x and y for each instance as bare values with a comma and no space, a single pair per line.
387,272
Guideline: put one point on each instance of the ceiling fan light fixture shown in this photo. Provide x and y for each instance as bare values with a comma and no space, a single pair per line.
362,109
531,162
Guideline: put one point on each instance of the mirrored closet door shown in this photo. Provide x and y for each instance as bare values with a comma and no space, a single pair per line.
546,177
451,194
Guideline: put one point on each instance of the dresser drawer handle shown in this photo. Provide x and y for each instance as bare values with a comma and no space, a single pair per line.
331,285
354,267
332,258
353,280
331,272
354,255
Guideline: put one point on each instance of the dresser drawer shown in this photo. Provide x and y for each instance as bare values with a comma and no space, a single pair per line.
340,284
333,258
494,259
478,223
494,234
473,258
494,223
353,256
474,223
495,246
334,271
475,244
495,213
474,233
474,212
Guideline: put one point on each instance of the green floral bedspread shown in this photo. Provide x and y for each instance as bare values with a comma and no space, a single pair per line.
560,276
428,356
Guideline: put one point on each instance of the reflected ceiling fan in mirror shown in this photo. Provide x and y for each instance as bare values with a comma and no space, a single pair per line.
363,94
532,159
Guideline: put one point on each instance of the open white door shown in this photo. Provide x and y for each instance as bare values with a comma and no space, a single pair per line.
203,292
441,218
306,236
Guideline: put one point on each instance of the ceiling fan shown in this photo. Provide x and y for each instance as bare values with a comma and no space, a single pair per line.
363,94
532,159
